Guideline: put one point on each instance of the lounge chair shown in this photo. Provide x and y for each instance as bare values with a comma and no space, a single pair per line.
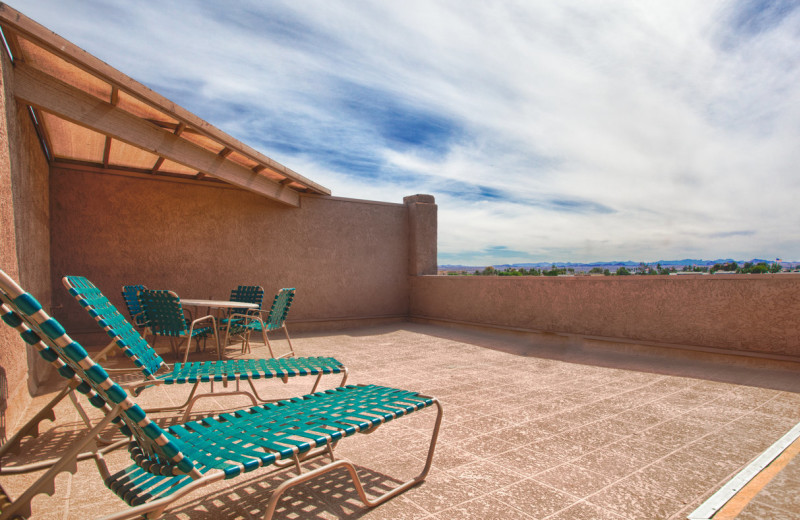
170,463
275,320
228,371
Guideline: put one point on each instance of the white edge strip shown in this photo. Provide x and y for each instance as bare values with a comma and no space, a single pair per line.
715,502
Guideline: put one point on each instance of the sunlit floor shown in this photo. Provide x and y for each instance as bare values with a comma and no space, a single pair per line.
530,431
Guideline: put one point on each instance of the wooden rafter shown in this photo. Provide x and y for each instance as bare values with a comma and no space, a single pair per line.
157,165
47,93
83,166
107,148
176,129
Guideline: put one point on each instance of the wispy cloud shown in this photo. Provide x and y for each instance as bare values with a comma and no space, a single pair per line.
547,131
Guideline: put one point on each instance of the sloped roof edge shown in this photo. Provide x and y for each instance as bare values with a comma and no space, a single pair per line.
15,22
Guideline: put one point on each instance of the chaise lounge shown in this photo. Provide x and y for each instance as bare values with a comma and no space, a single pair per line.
170,463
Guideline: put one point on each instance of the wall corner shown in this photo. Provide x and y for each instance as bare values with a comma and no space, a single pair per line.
422,234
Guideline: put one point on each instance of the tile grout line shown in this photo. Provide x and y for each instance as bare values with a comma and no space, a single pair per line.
645,429
677,450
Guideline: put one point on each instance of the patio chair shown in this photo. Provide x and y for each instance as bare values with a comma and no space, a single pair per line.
275,320
246,294
165,317
172,462
227,371
131,299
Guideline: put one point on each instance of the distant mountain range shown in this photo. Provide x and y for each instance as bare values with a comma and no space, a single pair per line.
610,265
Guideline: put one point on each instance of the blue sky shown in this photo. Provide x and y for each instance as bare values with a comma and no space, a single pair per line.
547,131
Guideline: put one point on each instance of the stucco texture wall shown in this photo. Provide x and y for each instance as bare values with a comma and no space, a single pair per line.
756,313
347,259
24,242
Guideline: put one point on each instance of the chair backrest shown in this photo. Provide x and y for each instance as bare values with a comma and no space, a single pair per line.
114,323
280,307
163,312
153,449
247,294
132,303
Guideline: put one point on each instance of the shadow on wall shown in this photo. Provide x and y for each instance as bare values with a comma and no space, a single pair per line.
609,354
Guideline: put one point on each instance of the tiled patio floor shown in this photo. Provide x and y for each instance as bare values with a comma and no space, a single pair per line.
529,432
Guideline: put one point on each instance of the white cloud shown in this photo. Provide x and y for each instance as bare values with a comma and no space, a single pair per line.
564,131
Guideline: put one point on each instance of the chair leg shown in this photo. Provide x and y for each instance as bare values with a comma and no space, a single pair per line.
176,343
266,341
227,334
216,339
291,348
246,341
369,502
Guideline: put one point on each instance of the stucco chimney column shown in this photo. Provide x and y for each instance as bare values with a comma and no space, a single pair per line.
422,228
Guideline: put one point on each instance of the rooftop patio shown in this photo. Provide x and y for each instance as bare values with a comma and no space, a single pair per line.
620,397
530,431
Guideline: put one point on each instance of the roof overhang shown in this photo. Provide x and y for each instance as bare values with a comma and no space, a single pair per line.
89,114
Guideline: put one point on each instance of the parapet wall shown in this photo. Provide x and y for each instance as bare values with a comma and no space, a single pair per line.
743,313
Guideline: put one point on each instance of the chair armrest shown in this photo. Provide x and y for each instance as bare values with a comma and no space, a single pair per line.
139,319
246,317
198,320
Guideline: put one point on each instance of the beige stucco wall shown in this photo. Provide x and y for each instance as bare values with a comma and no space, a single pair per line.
347,259
24,242
755,313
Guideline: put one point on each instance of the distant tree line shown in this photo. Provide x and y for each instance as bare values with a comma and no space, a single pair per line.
641,269
748,268
513,271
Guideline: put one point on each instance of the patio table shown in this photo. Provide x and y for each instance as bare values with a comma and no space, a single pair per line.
221,306
218,304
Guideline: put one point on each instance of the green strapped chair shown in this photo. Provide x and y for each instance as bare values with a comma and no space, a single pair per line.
233,325
165,317
247,294
226,371
275,320
169,463
131,299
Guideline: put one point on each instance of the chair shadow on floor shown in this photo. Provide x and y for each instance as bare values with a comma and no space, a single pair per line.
53,441
328,496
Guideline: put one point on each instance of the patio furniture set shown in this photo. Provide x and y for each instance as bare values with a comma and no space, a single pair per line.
162,314
170,462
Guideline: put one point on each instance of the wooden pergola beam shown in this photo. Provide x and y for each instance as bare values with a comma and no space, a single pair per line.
52,95
107,149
